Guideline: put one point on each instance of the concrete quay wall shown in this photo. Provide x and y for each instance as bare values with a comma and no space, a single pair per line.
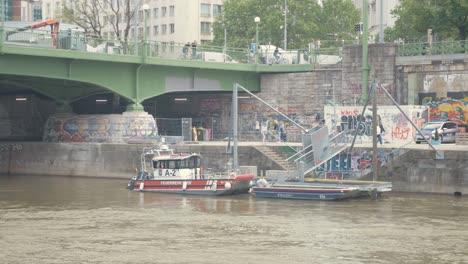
419,171
107,160
416,171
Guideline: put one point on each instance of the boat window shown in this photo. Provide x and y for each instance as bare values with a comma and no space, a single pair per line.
173,164
156,164
183,164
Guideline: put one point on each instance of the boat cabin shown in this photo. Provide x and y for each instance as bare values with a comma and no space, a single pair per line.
177,166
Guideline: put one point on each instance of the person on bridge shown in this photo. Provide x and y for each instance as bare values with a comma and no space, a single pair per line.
276,54
194,48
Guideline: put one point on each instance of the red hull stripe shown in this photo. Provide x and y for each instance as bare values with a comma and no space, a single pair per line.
244,177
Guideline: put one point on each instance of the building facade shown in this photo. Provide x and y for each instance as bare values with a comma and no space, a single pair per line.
374,17
176,21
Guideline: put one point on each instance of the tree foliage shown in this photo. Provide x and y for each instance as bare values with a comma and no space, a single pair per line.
95,15
306,21
446,18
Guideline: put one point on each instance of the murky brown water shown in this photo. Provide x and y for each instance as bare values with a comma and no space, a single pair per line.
81,220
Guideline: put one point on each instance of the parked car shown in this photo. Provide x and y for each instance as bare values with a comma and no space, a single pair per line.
447,131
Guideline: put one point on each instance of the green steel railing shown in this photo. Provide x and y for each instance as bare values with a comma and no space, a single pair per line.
79,41
437,48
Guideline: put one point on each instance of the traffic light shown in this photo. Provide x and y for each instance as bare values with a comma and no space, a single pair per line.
358,27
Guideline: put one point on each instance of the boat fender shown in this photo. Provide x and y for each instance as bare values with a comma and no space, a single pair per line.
214,187
227,186
142,185
131,185
262,183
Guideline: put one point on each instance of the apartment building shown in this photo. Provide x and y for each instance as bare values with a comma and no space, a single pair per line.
181,21
19,10
374,14
177,21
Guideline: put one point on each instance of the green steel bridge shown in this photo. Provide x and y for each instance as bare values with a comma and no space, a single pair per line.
72,65
81,67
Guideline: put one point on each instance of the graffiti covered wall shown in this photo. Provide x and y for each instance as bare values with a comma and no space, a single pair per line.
397,128
113,128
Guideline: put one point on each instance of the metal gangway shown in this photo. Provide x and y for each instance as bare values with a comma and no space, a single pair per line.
318,147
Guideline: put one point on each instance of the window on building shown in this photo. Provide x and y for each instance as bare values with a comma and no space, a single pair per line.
140,32
48,10
205,28
163,11
112,19
163,29
155,30
140,15
205,10
217,10
106,20
171,10
155,12
172,28
119,17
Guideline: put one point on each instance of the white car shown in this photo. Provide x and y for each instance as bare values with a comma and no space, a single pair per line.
447,131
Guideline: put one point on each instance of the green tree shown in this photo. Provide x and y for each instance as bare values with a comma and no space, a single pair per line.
306,21
446,18
95,15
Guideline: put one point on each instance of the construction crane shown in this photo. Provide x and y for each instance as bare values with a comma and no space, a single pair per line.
54,28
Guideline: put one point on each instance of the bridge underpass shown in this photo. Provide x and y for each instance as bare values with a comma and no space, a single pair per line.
64,81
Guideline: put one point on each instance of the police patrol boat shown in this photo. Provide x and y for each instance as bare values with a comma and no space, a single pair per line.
183,173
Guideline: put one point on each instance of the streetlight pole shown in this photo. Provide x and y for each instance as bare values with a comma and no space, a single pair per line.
2,26
257,21
145,8
285,24
225,39
135,27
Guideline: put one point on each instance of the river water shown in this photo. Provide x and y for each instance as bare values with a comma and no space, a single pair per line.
47,219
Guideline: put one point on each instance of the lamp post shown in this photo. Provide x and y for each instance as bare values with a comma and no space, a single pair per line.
2,26
285,24
135,27
257,21
145,9
225,39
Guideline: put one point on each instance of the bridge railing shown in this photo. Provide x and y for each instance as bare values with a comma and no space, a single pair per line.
437,48
80,41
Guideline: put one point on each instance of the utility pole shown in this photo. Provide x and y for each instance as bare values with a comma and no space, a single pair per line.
135,27
381,34
365,65
375,123
2,26
285,24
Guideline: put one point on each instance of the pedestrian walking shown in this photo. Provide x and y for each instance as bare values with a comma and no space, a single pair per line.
264,130
380,131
